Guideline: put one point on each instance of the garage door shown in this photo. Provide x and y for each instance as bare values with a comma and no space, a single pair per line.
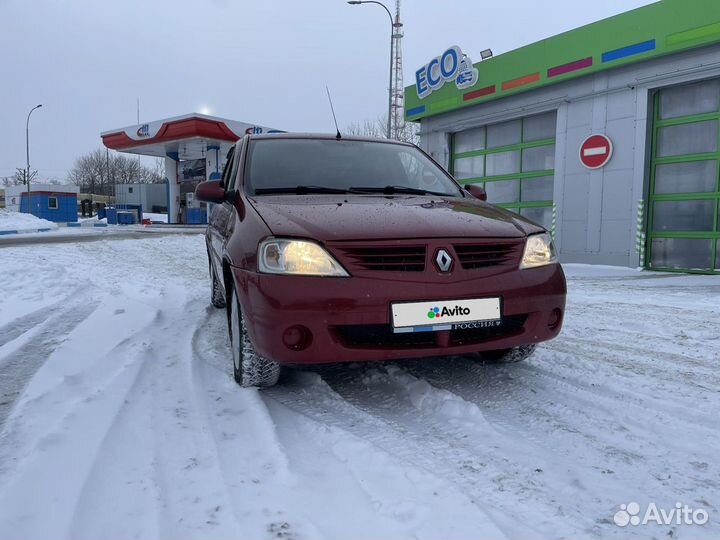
683,225
514,161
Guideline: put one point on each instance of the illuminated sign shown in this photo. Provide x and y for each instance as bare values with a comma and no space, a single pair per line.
257,130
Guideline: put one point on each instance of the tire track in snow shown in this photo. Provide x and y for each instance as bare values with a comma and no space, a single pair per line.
19,326
615,444
497,389
508,460
118,475
508,400
257,475
309,395
19,365
153,473
630,388
195,499
389,497
688,347
643,358
57,462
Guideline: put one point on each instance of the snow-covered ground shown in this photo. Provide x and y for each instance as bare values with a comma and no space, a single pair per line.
120,419
17,221
154,217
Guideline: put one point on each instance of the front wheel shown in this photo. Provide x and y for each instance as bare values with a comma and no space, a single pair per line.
249,368
509,356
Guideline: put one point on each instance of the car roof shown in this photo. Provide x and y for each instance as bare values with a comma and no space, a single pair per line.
323,136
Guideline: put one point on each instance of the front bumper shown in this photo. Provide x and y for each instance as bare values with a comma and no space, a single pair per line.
349,319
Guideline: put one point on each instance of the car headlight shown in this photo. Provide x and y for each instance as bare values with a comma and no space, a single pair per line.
297,257
539,251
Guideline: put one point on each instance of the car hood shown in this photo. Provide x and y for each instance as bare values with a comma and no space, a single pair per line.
374,217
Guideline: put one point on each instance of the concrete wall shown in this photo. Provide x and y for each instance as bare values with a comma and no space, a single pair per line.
596,210
147,195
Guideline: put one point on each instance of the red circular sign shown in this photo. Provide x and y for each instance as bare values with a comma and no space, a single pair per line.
596,151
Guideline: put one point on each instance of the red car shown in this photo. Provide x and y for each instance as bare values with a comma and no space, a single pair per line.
327,249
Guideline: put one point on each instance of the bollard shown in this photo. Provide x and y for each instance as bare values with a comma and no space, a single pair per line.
640,234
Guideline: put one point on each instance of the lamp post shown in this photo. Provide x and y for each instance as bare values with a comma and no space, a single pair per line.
392,30
27,154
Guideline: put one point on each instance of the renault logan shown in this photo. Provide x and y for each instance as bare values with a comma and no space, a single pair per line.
326,249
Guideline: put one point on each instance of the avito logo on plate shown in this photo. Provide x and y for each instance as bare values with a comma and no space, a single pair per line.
436,312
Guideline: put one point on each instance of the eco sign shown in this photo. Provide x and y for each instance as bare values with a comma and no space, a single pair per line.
452,65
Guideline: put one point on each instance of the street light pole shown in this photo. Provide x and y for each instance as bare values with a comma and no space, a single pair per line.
392,30
27,154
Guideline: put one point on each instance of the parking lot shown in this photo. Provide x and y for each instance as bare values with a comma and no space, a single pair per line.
119,417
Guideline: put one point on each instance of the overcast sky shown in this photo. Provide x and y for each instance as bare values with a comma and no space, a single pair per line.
260,61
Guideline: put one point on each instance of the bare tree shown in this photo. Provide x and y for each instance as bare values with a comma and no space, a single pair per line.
15,180
158,171
19,179
97,171
408,132
368,128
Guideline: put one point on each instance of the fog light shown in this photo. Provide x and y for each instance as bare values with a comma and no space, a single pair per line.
297,338
555,319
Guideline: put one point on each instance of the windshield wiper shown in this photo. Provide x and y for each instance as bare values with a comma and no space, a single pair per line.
391,190
300,190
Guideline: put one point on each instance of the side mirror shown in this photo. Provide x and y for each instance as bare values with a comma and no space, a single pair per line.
210,191
475,190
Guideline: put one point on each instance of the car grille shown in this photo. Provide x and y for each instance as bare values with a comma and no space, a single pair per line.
387,258
473,256
381,336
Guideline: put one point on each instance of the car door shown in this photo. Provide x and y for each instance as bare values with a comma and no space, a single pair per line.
220,216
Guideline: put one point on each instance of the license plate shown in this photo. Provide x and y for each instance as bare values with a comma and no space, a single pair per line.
446,315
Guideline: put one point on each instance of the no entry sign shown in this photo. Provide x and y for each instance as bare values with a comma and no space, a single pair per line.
596,151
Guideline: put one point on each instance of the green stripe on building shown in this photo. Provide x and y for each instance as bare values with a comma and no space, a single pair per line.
666,27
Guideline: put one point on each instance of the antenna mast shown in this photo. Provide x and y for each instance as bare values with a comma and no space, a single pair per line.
397,108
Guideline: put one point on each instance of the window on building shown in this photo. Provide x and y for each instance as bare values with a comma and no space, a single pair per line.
53,203
514,161
130,189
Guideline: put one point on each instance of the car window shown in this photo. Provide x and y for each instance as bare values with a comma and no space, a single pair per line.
235,182
342,164
228,167
423,170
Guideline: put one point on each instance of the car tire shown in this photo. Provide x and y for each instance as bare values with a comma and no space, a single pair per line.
249,368
509,356
217,298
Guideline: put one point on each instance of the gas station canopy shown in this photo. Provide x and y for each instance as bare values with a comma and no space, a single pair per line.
190,142
183,137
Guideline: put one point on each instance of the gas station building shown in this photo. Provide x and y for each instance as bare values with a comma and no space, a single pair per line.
609,134
194,147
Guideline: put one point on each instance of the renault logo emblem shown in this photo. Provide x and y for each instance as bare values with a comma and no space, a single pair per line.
443,260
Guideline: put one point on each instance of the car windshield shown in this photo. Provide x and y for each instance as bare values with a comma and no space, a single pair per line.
340,165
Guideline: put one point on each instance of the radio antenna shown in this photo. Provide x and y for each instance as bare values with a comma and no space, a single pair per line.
332,109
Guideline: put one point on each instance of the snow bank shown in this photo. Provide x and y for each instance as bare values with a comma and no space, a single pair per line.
162,218
16,221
